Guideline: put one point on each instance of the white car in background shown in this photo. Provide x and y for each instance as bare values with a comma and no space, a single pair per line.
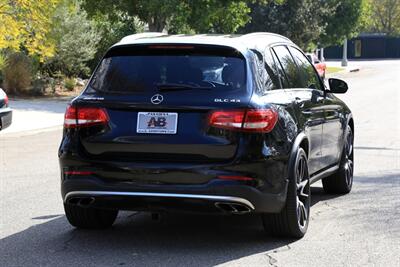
5,111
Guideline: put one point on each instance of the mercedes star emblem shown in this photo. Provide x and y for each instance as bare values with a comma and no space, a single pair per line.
157,99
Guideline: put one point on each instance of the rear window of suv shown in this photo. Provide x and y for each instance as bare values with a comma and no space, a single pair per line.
135,69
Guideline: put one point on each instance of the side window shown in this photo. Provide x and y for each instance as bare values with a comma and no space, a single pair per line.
288,66
307,74
260,76
282,76
275,80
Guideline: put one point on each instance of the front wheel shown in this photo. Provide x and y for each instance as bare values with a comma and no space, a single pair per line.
341,182
293,220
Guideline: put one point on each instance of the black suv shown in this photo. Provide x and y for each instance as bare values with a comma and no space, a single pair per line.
205,123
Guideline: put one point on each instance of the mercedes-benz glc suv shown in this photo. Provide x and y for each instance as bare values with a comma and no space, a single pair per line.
205,123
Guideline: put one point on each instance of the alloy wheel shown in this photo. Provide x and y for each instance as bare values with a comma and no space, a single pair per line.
348,164
303,192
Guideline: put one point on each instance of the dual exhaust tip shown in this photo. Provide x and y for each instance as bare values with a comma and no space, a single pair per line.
83,202
226,207
233,208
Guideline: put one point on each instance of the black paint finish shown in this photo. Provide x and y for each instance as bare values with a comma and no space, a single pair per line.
191,161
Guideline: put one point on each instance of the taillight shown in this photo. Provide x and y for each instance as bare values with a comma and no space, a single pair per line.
84,117
6,101
250,120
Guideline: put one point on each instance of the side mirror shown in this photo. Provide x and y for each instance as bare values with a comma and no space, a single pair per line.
337,86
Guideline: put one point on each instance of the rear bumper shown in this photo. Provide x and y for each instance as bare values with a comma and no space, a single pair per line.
5,118
260,184
212,197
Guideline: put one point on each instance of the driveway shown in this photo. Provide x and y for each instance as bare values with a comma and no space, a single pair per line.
36,114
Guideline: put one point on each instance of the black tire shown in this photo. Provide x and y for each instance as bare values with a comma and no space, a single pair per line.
341,182
293,220
89,218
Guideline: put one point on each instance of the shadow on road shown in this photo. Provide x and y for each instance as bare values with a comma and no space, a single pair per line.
175,239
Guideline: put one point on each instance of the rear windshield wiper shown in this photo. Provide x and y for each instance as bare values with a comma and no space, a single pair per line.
180,86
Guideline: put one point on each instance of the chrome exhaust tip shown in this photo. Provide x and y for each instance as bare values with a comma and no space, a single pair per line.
233,208
83,202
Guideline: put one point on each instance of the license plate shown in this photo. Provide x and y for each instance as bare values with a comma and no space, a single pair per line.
157,122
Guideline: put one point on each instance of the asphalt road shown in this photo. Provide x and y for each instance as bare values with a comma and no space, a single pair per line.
358,229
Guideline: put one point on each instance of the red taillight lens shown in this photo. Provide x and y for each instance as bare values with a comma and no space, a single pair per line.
6,101
227,119
262,120
84,116
252,120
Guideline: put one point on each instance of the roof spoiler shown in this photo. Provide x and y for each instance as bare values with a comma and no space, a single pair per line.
132,37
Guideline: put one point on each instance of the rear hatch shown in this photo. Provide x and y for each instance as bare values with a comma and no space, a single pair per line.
158,100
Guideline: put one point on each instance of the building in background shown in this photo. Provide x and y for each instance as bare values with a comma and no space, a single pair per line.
367,46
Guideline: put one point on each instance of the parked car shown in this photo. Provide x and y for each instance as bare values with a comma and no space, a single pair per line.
5,111
319,65
214,124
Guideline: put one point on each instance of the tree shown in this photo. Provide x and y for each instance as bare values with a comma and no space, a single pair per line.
299,20
223,16
112,26
76,40
26,23
385,17
345,21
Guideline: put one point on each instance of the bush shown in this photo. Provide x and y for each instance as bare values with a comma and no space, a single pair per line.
3,64
17,73
69,84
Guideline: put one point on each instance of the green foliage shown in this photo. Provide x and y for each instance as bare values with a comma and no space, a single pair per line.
309,22
215,16
3,61
76,41
3,64
384,17
69,84
299,20
17,73
111,28
176,16
344,21
26,23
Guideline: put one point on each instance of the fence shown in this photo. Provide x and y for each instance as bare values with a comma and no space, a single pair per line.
367,47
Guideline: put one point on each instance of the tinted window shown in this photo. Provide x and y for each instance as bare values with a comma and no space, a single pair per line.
274,71
142,69
268,77
289,67
260,75
307,74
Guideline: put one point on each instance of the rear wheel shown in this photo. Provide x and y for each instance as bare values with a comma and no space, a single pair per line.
341,182
89,218
292,221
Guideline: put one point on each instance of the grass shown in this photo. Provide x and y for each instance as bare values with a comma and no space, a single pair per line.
330,70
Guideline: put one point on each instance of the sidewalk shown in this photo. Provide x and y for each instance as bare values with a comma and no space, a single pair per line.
352,66
36,114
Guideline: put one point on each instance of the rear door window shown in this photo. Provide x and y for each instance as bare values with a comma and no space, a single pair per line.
307,73
138,69
288,66
274,71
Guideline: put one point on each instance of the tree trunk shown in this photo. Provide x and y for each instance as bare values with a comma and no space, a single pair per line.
156,24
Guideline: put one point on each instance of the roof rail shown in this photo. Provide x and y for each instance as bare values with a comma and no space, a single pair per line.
260,34
141,35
